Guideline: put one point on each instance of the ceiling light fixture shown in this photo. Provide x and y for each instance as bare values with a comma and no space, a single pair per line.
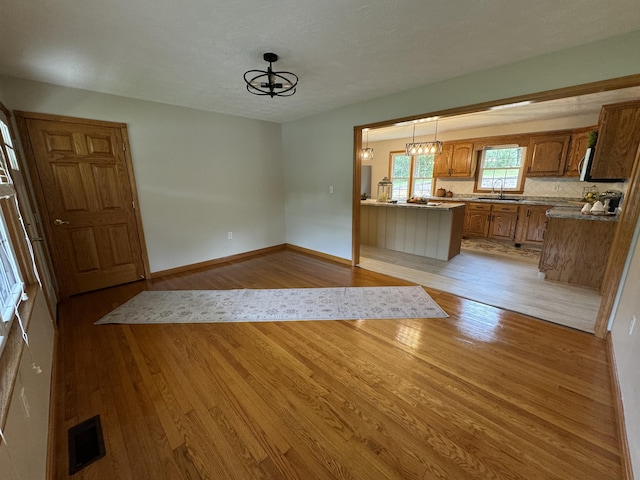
366,153
268,82
424,148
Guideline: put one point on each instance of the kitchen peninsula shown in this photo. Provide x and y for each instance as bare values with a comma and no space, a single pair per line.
432,230
576,246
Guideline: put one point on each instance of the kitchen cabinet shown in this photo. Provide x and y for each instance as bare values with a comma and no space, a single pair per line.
503,222
577,150
456,160
576,250
547,155
618,140
532,222
486,220
477,220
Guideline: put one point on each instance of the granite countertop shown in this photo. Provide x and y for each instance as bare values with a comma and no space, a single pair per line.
555,201
431,205
508,199
575,213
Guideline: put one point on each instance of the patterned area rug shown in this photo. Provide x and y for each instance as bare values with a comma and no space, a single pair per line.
500,248
344,303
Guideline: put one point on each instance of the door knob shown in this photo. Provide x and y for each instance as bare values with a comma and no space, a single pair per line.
57,221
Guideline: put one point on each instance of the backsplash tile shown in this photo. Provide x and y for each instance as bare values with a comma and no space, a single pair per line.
537,187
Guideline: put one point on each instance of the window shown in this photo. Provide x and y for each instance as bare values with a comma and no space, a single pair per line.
411,176
501,168
11,282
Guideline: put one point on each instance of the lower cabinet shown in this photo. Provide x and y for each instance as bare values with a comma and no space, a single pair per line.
491,220
576,250
532,221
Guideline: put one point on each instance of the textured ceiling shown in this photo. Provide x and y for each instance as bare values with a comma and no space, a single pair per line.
194,53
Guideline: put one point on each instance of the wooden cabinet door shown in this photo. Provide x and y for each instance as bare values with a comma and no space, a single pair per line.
442,162
532,222
503,222
618,141
577,151
477,220
462,160
85,194
547,155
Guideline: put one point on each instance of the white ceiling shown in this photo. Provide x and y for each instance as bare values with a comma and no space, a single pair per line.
195,53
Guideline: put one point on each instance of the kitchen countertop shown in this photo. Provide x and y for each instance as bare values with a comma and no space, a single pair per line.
575,213
551,201
555,201
431,205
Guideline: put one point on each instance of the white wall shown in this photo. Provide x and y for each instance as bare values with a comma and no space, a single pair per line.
24,455
199,174
627,352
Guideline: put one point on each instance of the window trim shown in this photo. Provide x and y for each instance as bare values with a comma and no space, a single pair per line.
480,159
412,164
10,209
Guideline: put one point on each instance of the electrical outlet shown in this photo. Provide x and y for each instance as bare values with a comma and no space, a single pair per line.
632,324
230,235
330,188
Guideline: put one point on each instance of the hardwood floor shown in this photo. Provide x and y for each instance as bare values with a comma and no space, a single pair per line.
510,283
483,394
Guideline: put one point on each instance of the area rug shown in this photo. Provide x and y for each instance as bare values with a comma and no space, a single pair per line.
500,249
249,305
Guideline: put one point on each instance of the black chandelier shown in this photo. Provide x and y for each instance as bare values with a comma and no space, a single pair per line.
274,84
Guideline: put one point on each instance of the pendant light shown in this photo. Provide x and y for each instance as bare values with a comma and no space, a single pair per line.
424,148
366,153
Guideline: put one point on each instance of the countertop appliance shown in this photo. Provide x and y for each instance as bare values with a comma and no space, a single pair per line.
615,199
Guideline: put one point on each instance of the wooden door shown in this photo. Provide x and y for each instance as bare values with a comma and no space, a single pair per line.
86,195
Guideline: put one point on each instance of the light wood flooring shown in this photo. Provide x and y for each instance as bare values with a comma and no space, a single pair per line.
507,282
483,394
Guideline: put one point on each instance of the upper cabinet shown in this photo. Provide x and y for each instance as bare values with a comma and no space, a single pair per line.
456,160
547,155
618,141
577,151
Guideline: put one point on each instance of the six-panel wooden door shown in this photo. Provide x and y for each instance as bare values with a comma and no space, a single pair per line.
83,185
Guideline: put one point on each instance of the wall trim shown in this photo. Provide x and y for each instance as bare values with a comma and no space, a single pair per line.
625,453
53,407
314,253
217,261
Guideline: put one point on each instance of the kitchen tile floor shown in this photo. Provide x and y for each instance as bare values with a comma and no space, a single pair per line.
507,282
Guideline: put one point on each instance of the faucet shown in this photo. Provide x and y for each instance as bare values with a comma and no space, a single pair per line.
493,187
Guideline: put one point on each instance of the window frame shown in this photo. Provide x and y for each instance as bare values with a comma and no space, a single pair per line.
16,198
412,171
519,189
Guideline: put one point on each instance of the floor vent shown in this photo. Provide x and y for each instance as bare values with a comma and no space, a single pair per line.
86,444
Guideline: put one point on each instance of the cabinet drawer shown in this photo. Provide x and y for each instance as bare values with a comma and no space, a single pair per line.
505,208
485,207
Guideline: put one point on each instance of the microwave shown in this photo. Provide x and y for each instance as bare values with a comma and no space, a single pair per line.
585,169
